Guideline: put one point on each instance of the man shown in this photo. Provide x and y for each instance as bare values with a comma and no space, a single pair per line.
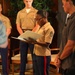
5,30
25,21
65,58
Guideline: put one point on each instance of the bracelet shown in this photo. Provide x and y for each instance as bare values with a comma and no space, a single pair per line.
60,59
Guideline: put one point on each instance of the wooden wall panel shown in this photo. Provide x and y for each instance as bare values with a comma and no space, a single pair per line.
54,23
55,7
5,6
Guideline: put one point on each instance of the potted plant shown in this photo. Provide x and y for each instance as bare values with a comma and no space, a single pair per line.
17,5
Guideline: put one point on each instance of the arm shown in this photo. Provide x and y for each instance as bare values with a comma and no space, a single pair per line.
45,44
8,31
68,49
8,27
36,28
18,24
19,29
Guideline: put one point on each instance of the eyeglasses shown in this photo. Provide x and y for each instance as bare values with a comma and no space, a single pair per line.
38,19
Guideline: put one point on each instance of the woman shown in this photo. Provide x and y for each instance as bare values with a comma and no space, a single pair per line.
42,53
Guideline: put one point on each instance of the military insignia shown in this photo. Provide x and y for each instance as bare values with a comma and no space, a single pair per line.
51,34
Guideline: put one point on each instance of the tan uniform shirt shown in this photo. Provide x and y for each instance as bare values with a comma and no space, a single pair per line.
7,24
26,20
47,31
6,21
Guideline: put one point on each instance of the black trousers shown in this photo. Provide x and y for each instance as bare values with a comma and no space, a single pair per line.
4,56
68,71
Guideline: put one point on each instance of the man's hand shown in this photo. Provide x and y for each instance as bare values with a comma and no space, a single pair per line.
57,62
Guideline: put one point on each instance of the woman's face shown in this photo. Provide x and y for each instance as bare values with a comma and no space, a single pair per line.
39,20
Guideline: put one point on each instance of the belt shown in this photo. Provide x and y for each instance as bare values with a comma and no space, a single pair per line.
26,30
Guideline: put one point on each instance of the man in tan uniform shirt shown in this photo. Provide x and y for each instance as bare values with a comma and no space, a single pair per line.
25,21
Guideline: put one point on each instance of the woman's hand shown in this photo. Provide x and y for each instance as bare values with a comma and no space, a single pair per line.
31,40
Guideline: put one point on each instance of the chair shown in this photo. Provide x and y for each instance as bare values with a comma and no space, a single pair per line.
16,59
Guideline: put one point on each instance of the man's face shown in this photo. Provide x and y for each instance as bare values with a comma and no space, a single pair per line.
0,8
66,5
28,3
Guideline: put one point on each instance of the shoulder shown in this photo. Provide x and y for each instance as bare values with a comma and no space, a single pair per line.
33,9
5,18
21,11
48,27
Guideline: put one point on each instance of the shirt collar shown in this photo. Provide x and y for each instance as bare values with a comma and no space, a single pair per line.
71,16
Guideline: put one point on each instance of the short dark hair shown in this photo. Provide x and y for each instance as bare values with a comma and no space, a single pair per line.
73,1
43,13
